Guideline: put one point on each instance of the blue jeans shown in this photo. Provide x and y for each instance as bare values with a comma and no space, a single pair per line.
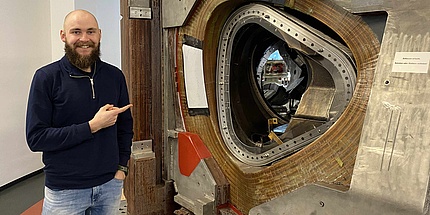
99,200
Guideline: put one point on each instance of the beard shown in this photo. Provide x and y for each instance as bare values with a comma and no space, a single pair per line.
81,61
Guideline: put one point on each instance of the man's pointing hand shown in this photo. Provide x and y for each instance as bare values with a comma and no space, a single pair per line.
106,116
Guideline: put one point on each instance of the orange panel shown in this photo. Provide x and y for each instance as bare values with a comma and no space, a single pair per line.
190,151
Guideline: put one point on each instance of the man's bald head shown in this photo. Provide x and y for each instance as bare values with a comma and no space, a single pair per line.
81,35
77,15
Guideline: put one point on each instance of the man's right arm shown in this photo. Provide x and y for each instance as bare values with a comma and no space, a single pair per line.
40,134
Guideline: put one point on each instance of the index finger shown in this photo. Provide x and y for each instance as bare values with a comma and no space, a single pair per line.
120,110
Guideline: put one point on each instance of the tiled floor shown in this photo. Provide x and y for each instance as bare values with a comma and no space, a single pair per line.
21,196
37,208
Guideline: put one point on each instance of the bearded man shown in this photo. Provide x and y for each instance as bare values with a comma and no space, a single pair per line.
78,115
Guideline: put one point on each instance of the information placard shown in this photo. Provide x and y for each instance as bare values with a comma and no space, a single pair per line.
411,62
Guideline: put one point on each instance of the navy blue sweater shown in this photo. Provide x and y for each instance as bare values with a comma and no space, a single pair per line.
62,100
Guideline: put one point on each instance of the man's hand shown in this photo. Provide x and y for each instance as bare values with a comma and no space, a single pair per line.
120,175
106,116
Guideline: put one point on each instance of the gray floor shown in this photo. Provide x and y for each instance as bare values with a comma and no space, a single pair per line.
19,197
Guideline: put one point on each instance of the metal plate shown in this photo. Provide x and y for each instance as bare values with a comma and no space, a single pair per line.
175,12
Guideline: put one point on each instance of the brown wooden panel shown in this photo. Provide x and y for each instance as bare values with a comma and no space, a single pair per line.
145,190
144,196
141,62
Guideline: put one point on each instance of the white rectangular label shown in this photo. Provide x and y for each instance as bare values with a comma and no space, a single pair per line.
194,79
411,62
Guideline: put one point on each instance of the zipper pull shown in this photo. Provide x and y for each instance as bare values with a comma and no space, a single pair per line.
92,88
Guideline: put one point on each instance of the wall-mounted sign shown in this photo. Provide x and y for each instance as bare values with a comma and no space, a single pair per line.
411,62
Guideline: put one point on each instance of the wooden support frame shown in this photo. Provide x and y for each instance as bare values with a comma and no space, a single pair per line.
141,63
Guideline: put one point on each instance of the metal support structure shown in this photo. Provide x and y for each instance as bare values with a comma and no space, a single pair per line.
391,174
315,199
175,12
330,55
392,164
140,9
199,182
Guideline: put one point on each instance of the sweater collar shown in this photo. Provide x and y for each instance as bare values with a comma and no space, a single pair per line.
73,70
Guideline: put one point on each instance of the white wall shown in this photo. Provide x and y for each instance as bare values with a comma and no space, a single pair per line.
29,38
25,44
108,16
59,9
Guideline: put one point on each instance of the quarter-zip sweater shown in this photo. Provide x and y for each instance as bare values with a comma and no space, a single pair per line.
62,100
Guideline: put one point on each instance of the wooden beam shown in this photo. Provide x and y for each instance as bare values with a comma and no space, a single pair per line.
141,42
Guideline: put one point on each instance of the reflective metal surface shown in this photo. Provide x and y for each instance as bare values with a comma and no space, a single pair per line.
314,199
321,66
175,12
